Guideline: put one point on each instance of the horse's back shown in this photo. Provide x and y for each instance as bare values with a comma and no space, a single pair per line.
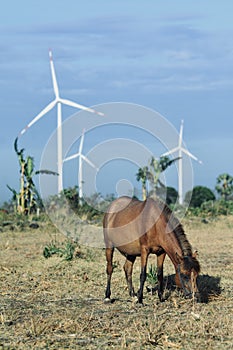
120,211
127,221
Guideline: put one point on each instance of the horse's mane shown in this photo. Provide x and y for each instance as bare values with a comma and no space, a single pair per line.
189,260
176,227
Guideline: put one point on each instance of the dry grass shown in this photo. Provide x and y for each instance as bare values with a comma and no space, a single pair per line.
55,304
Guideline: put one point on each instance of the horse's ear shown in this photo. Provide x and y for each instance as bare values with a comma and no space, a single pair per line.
195,254
179,258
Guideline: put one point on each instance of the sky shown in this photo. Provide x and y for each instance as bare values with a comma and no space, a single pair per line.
174,57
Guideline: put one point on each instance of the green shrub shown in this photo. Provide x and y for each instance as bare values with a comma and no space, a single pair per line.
212,209
198,196
152,276
66,250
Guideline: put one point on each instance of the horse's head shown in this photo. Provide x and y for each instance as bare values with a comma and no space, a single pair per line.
187,271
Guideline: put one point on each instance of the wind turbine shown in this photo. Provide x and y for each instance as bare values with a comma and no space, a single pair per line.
180,149
57,101
80,167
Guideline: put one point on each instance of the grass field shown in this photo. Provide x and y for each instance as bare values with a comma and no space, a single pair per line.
57,304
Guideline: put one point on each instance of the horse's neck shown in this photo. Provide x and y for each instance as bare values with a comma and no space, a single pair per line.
172,247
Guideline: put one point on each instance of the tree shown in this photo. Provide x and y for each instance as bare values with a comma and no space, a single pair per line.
28,197
152,173
72,196
171,195
224,185
199,195
167,194
143,175
157,166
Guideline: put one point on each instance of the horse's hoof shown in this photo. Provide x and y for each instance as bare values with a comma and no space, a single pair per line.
161,298
107,301
136,302
140,304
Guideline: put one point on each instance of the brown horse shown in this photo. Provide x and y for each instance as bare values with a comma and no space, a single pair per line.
139,228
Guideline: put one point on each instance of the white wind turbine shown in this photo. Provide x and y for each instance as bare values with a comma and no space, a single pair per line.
57,101
180,149
80,167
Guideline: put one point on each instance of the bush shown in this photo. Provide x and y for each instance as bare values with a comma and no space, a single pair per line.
220,207
66,250
198,196
212,209
171,196
88,209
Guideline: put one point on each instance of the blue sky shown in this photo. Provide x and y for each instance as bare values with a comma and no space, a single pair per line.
175,57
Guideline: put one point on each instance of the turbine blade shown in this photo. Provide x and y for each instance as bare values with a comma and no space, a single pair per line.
40,115
77,105
81,143
76,155
170,152
88,161
54,79
191,155
181,133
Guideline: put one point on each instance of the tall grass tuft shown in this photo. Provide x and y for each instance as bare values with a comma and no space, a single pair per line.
66,250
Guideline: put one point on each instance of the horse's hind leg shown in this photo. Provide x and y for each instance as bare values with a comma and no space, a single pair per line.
109,256
128,268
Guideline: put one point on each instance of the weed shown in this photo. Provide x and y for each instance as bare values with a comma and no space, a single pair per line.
152,276
66,250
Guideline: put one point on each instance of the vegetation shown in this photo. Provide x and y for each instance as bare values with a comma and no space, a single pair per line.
56,302
143,175
198,196
89,209
27,200
171,195
224,185
150,174
67,250
212,209
202,200
167,194
151,276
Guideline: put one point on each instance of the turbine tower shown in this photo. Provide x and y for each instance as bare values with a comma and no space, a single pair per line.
80,167
57,101
180,149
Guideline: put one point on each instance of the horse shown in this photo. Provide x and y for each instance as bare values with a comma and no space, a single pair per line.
139,228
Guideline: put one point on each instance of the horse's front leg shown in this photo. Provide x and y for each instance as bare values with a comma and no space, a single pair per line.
109,256
144,258
160,260
128,268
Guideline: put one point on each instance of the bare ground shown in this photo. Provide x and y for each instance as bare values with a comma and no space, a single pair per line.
55,304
